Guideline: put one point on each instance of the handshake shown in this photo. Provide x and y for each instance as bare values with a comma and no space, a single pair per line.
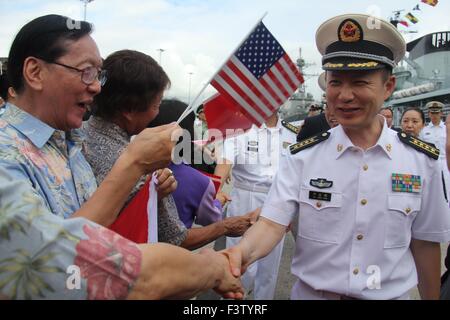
228,263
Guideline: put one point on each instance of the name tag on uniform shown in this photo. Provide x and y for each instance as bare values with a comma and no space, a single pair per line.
406,183
323,196
252,146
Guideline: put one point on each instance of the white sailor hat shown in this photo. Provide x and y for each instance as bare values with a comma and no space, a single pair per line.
359,42
434,106
322,82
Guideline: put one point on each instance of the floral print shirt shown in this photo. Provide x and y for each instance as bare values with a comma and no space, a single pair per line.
49,160
44,178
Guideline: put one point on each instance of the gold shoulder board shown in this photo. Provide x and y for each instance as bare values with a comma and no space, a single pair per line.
290,127
309,142
419,145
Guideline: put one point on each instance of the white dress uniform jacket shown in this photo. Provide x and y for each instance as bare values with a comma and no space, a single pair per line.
355,221
435,135
255,156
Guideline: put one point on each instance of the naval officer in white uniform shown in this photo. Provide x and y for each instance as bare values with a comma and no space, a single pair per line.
370,201
436,133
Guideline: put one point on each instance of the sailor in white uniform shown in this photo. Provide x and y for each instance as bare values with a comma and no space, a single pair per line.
436,133
254,158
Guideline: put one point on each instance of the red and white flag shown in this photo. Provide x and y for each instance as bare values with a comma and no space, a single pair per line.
138,220
259,77
225,117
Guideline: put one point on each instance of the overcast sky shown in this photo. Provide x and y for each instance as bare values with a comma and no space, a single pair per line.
199,35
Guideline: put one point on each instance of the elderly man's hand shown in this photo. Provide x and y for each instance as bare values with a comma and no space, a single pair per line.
152,148
236,226
223,197
166,183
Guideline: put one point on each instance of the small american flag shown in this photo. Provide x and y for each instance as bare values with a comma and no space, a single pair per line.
259,77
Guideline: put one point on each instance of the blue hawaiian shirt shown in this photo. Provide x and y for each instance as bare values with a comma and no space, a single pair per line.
49,160
44,179
43,256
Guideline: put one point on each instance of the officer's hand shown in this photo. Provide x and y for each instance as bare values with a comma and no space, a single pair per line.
234,255
166,182
229,286
223,197
151,149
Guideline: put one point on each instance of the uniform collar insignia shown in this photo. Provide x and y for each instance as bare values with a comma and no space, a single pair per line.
321,183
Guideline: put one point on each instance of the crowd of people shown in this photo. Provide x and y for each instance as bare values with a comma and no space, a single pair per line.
65,182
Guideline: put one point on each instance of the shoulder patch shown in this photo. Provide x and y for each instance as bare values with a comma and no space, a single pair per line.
304,144
290,127
419,145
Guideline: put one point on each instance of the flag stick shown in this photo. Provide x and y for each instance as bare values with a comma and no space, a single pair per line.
190,108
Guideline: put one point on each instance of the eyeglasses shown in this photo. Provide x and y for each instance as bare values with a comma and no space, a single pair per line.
88,74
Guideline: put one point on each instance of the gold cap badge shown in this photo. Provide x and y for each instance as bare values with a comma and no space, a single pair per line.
350,31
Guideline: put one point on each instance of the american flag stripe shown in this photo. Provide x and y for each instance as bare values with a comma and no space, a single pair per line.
251,94
253,85
289,85
296,76
234,97
227,90
272,92
264,91
291,77
241,92
270,84
282,80
276,85
282,71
